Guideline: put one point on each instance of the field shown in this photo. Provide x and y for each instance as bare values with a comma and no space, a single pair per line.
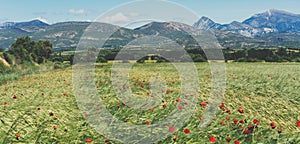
261,105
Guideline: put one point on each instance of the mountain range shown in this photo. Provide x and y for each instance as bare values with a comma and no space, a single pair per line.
270,29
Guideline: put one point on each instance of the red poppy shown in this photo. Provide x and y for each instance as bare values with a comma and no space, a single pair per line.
201,118
240,110
186,131
54,127
167,92
164,105
151,109
228,111
235,121
228,139
236,142
298,123
88,140
222,106
18,135
242,121
65,94
279,131
207,75
51,113
212,139
178,100
203,104
107,141
171,129
175,138
180,107
148,123
14,97
43,94
223,123
5,103
148,93
246,131
227,118
272,124
255,121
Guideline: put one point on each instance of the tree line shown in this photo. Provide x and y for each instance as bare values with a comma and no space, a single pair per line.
24,49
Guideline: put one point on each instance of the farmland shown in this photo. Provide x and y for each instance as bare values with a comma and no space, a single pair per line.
261,104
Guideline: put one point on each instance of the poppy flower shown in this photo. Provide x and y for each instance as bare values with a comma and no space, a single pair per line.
14,97
43,94
107,141
227,118
235,121
186,131
228,139
279,131
148,93
272,124
88,140
180,107
246,131
255,121
207,75
175,138
54,127
167,92
5,103
18,135
203,104
151,109
201,118
242,121
223,123
212,139
222,106
171,129
51,113
178,100
148,123
236,142
298,124
228,111
164,105
241,110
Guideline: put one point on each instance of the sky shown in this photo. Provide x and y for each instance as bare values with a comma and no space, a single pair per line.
53,11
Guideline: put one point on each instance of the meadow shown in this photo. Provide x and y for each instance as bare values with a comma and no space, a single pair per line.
261,105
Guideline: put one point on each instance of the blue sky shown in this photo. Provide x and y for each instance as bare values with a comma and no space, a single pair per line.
221,11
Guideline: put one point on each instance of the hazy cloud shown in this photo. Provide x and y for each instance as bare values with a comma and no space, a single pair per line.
79,11
119,17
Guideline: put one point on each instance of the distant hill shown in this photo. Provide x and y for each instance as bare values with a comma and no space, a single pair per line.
270,29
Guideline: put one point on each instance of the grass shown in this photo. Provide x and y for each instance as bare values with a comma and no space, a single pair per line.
268,92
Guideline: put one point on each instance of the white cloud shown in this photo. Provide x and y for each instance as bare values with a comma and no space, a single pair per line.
79,11
119,17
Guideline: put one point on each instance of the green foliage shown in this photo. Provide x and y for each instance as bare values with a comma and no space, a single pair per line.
24,49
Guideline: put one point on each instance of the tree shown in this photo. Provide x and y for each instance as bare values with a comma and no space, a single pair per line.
25,49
